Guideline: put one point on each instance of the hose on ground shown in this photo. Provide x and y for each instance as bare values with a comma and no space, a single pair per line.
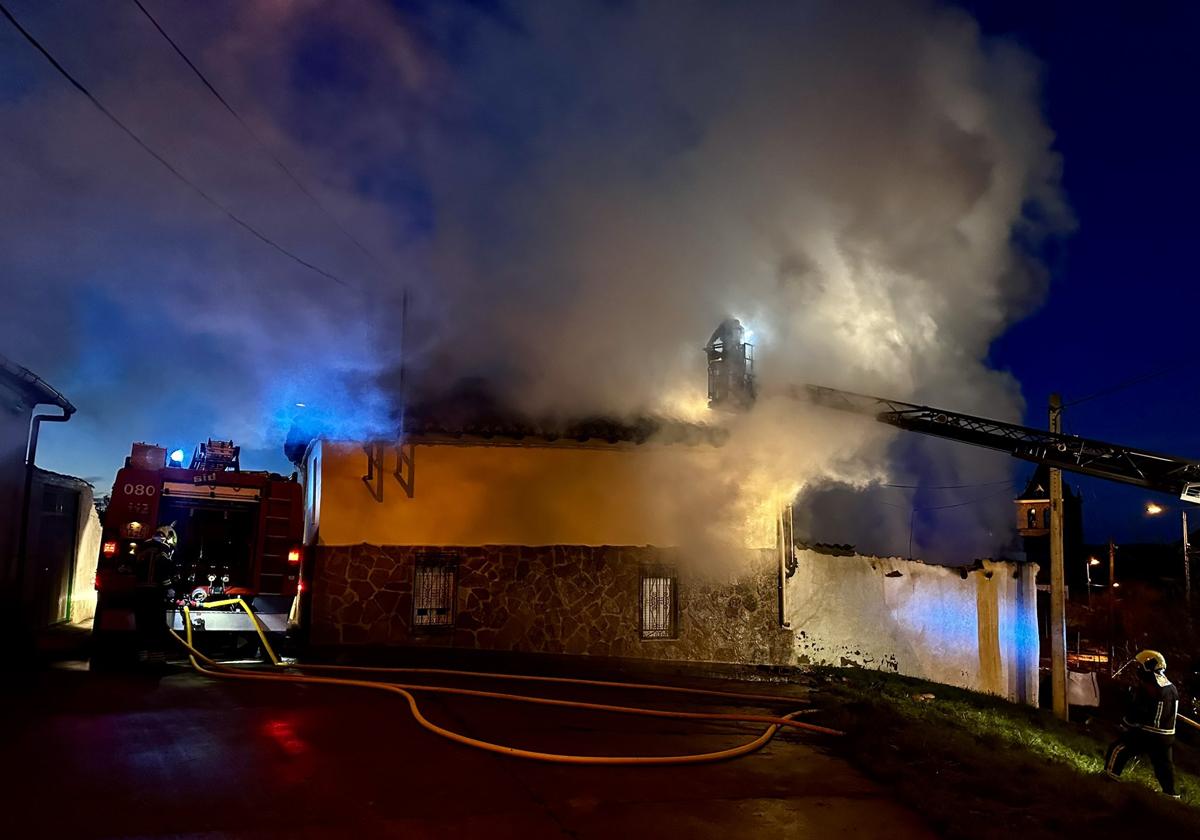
217,670
745,697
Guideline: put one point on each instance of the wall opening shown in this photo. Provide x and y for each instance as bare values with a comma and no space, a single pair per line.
659,603
435,590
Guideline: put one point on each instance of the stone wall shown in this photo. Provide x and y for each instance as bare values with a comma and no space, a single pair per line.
570,599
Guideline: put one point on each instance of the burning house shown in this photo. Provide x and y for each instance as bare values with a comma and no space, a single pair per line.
476,530
531,539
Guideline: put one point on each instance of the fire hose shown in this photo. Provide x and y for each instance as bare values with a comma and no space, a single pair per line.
216,669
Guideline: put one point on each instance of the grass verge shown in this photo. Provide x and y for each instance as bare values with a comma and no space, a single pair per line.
976,766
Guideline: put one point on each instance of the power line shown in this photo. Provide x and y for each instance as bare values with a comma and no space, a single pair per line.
279,163
946,486
912,515
1130,382
166,164
964,504
947,507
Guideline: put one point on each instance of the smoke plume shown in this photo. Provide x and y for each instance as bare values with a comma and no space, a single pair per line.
572,194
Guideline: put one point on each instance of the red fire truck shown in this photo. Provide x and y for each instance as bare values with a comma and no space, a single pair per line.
240,534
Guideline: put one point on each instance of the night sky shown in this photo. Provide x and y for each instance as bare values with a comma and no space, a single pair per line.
1123,299
156,315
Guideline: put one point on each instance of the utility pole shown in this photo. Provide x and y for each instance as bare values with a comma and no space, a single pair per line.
1187,568
1112,597
1058,599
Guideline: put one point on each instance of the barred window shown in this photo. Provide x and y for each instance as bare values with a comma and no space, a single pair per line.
434,593
54,502
659,604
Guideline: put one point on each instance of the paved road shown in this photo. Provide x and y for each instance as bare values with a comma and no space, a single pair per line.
119,755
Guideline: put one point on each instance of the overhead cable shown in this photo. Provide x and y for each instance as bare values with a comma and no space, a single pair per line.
974,501
945,486
162,160
1130,382
254,135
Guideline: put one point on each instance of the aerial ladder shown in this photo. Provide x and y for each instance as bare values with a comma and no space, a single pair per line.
1162,473
1153,470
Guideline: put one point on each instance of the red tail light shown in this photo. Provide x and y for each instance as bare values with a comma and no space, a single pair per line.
294,555
110,548
96,582
300,587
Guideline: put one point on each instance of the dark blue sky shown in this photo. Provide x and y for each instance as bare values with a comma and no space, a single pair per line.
1120,93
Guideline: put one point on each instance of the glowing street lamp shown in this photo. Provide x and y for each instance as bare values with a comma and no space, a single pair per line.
1153,509
1092,561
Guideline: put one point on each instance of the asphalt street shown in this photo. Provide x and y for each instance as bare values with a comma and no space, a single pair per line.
179,755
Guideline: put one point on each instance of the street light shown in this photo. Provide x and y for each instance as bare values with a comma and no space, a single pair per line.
1092,561
1153,509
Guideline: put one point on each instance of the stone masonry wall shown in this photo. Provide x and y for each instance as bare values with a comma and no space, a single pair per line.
548,599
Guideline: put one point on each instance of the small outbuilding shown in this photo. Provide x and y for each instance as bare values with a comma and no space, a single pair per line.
49,529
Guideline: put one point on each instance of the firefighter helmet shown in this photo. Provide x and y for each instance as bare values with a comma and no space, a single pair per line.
166,536
1151,661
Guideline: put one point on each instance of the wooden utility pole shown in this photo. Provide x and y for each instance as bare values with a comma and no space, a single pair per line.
1058,598
1187,568
1112,598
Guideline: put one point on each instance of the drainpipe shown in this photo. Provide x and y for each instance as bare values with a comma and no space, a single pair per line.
30,457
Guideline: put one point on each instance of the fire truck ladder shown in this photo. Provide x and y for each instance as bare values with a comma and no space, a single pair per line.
1155,471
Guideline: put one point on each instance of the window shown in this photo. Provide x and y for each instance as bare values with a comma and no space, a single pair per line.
434,594
54,501
659,603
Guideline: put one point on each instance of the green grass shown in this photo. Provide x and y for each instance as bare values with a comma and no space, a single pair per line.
979,767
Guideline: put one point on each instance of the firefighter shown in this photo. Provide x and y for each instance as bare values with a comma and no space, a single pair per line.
155,569
1149,725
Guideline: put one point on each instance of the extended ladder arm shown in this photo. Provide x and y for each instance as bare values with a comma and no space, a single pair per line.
1164,473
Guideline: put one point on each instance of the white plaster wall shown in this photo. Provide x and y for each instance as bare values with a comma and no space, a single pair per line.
916,619
87,554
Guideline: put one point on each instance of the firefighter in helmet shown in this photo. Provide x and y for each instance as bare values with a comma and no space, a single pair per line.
1149,725
154,567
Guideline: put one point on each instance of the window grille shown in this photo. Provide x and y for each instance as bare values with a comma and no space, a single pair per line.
434,594
659,607
54,502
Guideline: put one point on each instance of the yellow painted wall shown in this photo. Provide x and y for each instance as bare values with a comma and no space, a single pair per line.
621,494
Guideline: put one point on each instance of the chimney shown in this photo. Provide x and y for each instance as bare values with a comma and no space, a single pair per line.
730,367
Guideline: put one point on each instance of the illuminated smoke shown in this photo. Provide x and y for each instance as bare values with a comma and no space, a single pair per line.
575,195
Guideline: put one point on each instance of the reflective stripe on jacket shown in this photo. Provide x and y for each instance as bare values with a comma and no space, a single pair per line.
1154,707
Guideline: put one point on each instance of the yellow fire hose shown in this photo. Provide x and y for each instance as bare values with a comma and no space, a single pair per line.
748,697
218,670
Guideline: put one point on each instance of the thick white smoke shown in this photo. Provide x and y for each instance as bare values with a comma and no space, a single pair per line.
574,194
851,182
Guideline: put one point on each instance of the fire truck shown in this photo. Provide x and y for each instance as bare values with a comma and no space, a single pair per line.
240,535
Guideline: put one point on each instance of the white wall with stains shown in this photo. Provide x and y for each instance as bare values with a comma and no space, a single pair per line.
970,627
